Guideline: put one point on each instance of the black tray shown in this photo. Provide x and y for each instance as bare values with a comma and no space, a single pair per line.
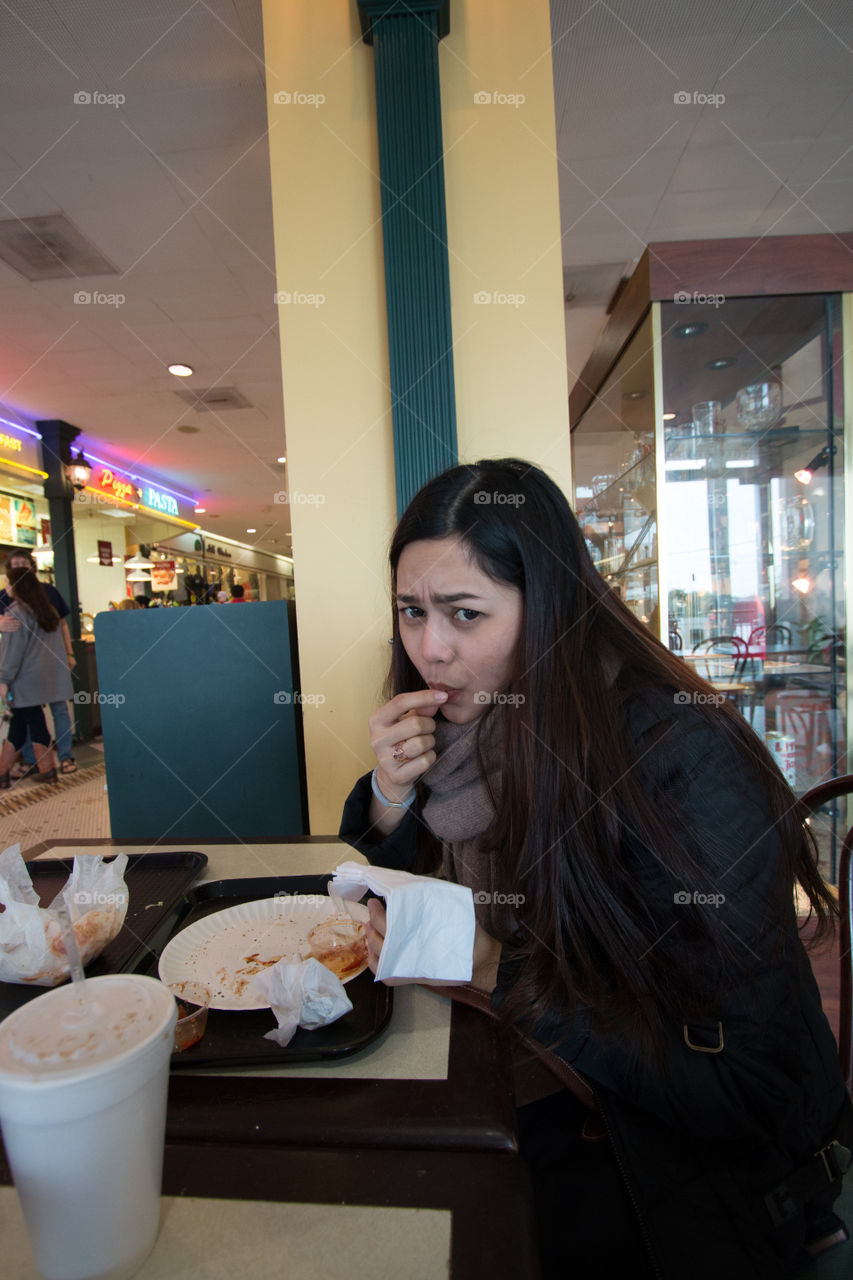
156,885
236,1039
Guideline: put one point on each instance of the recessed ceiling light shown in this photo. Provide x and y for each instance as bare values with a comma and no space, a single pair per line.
188,430
181,370
668,417
251,531
636,395
199,511
722,362
691,330
281,459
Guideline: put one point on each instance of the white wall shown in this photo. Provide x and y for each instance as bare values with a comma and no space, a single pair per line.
98,584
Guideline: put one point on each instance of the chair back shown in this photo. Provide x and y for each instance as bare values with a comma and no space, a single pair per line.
814,800
711,655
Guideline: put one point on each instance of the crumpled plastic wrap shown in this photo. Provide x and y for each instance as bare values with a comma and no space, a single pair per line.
306,995
31,946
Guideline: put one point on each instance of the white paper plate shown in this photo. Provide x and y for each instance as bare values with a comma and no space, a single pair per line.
225,950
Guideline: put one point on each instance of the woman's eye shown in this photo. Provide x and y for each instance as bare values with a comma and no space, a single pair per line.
411,611
467,615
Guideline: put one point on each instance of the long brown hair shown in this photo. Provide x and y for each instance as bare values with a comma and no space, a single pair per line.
30,592
577,811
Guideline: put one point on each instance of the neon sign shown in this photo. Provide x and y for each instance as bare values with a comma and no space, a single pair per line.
160,501
121,489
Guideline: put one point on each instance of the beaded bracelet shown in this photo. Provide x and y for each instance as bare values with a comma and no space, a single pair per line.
391,804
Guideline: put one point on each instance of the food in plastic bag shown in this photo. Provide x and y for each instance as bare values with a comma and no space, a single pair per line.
31,946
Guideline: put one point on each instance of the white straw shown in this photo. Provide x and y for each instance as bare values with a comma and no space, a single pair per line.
72,951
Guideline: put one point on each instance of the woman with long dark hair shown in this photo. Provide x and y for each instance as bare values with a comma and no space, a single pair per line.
33,671
633,852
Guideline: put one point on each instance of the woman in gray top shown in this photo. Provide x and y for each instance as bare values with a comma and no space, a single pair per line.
33,671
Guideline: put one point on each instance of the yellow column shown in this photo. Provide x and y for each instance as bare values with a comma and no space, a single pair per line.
340,466
512,394
503,225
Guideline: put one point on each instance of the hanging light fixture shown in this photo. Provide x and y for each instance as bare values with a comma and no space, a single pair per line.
139,575
138,562
78,471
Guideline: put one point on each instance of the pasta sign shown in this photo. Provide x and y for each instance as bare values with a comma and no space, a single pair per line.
160,501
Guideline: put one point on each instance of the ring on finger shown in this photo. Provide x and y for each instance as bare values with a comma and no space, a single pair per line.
399,751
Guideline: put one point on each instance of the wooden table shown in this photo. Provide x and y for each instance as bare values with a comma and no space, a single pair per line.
325,1215
437,1077
401,1160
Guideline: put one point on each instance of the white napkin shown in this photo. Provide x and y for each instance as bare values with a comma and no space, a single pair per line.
430,923
305,994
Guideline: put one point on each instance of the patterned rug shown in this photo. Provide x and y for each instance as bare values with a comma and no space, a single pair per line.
23,793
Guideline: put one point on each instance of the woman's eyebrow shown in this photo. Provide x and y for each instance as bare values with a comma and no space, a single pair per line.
441,599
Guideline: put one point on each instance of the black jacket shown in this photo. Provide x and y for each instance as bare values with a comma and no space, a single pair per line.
719,1156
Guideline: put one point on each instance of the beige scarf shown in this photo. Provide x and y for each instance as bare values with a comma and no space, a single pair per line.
459,810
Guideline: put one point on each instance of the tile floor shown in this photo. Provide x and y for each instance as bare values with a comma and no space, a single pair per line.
75,806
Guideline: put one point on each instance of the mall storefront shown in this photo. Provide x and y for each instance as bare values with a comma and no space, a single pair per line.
24,519
207,566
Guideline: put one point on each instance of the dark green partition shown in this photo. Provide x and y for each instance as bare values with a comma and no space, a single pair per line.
201,723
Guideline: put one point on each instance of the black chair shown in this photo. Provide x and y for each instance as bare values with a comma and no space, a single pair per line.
777,634
814,800
721,660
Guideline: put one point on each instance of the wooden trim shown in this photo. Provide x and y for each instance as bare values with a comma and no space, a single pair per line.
490,1197
751,266
108,842
627,316
471,1110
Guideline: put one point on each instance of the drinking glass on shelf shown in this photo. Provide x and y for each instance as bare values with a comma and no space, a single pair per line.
759,405
707,417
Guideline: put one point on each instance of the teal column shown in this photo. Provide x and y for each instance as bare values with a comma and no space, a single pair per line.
405,38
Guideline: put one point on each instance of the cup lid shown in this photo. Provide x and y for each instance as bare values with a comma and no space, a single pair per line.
59,1032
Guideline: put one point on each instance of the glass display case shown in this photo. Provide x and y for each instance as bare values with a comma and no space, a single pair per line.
754,511
709,482
615,488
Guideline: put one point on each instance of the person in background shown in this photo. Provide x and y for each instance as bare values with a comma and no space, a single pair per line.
633,851
238,594
33,671
59,709
129,602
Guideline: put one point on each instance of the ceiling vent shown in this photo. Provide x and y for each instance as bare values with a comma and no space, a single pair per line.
50,248
214,399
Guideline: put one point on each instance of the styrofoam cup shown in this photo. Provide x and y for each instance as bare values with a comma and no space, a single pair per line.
83,1111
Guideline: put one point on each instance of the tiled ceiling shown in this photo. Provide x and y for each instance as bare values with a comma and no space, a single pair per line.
172,186
764,148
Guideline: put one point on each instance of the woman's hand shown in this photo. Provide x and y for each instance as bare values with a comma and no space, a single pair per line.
487,953
402,735
9,623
